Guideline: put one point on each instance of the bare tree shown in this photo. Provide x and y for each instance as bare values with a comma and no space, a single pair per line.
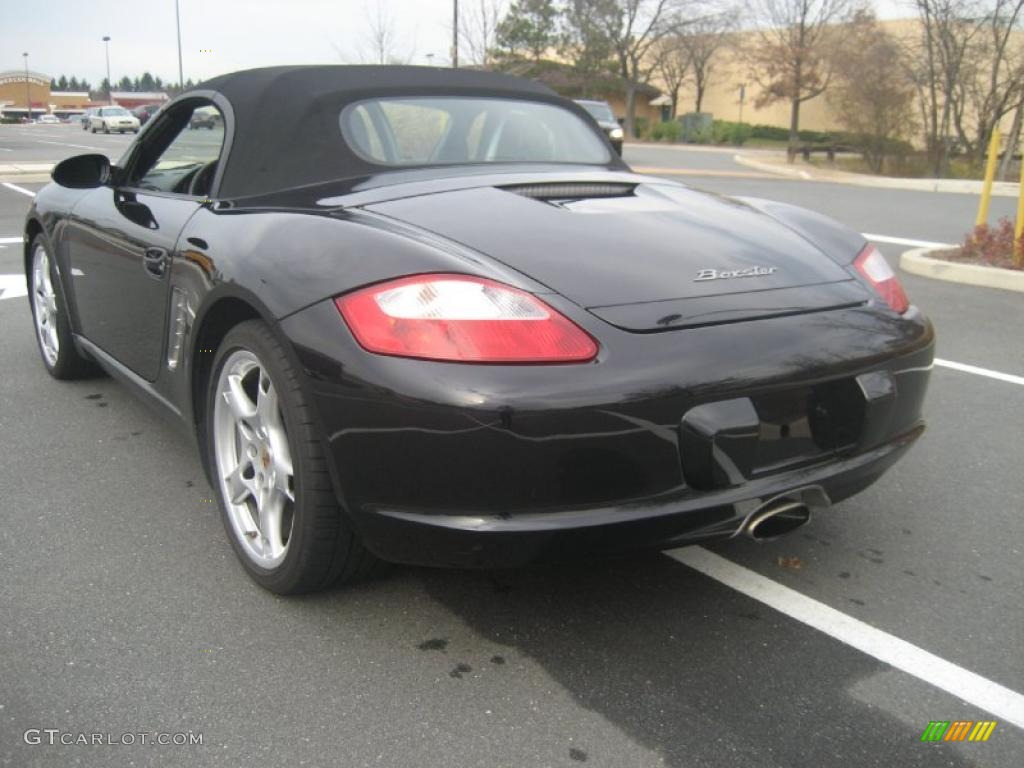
383,44
871,91
632,28
673,65
704,37
480,29
791,60
992,80
948,32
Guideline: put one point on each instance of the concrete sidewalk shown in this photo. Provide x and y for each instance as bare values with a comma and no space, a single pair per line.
776,163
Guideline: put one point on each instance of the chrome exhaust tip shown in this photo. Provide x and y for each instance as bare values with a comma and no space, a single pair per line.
777,518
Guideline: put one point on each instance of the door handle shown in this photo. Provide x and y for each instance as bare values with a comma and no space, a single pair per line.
155,261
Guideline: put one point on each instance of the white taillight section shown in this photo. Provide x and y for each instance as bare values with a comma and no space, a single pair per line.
876,270
459,318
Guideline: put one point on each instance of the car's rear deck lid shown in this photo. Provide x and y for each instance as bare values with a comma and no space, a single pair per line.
732,308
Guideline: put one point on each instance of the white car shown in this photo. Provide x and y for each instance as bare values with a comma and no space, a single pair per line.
108,119
48,119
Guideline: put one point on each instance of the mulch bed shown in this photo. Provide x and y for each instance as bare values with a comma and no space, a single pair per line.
955,254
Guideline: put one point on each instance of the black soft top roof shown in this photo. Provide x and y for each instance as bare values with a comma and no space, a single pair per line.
286,131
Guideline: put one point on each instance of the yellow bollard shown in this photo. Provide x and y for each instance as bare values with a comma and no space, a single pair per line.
990,174
1018,230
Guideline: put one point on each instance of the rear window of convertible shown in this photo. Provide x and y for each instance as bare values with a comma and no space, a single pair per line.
435,130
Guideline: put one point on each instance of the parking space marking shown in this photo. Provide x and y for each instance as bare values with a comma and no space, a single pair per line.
11,239
967,686
905,241
987,372
16,188
63,144
12,286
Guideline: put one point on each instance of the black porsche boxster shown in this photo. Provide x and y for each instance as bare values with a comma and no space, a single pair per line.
430,316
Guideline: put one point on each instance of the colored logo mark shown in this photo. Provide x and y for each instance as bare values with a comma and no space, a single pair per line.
958,730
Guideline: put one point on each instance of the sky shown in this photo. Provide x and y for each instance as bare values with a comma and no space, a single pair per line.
217,36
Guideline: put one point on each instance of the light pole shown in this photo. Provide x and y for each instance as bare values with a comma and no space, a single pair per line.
110,86
455,34
177,18
28,93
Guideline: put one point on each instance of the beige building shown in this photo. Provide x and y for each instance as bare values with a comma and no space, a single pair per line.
731,77
17,88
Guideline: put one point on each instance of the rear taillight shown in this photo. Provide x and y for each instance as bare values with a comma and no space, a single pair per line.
876,270
458,318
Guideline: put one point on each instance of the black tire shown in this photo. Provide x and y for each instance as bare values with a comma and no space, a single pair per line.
92,129
106,128
323,549
69,363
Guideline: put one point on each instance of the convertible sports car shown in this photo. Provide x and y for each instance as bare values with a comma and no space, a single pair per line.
429,316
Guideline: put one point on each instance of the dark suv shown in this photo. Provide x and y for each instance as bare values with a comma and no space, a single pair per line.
602,113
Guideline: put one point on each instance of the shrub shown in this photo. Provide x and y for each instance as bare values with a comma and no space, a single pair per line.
665,131
642,126
991,245
725,132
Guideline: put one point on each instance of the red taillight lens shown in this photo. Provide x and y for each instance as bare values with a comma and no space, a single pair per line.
463,319
876,270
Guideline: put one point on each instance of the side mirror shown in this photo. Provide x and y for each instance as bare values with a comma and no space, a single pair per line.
82,172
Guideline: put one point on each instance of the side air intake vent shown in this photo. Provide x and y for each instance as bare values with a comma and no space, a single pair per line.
571,190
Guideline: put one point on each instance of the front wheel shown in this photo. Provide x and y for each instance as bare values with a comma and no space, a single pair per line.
270,471
106,128
53,331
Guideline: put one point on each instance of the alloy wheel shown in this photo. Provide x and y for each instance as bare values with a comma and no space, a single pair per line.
44,301
253,459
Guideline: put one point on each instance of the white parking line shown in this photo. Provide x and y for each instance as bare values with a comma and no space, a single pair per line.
905,241
987,372
12,286
63,144
16,188
11,239
965,685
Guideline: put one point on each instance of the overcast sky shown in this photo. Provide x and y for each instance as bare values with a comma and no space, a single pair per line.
217,36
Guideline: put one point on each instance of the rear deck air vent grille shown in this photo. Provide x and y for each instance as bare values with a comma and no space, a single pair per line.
571,190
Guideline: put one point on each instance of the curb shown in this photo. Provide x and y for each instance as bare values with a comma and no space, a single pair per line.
25,178
918,262
951,186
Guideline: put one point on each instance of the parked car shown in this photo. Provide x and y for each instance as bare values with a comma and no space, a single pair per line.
48,119
86,117
145,112
205,118
602,113
433,318
108,119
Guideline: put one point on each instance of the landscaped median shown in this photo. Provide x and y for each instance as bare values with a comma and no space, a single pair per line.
776,163
919,262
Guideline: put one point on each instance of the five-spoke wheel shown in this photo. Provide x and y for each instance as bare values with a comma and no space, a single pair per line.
254,459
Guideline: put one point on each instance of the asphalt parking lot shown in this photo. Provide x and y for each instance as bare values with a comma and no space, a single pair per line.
125,610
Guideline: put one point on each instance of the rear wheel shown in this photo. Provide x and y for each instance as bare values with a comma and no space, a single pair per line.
53,331
270,471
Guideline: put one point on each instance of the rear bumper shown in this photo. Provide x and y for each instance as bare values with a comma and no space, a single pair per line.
650,446
484,540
